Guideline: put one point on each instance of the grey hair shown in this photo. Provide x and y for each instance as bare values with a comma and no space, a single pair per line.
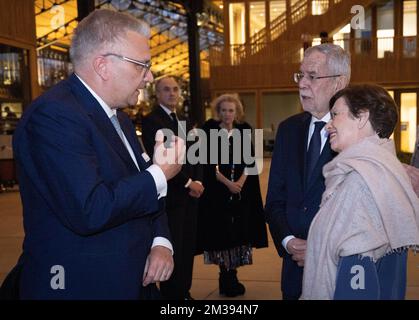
337,59
101,29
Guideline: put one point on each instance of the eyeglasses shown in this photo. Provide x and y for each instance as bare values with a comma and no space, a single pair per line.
144,65
298,76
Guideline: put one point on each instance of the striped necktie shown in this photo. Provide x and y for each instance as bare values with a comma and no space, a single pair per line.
116,124
313,152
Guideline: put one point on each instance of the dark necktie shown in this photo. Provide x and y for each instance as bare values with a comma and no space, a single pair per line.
314,147
177,126
174,120
117,125
118,128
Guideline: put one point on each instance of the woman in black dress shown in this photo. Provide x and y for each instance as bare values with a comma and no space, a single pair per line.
231,219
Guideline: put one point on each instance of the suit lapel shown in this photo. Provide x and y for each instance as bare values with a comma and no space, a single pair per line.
132,138
326,155
166,119
101,120
302,143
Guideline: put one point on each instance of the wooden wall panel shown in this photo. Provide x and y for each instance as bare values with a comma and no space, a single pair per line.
388,72
17,21
17,28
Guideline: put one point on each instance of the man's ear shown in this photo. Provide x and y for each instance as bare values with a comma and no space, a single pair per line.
340,83
101,67
363,118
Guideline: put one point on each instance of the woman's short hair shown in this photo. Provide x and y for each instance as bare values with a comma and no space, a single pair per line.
374,99
228,97
101,29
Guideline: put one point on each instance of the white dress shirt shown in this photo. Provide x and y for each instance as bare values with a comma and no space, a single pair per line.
155,171
323,135
168,111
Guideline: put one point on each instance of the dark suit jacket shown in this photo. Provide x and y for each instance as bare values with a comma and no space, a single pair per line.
291,202
177,194
86,206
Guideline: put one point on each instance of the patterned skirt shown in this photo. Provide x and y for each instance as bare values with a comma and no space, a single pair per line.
230,258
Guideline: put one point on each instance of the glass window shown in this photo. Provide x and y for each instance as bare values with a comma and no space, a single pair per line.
237,23
385,28
408,106
409,28
257,17
409,18
363,36
278,18
316,41
341,38
319,7
248,100
237,31
276,107
276,8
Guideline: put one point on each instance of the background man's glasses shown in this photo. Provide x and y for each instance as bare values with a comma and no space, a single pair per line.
298,76
144,65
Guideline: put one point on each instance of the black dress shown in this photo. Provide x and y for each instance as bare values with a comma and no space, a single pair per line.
229,225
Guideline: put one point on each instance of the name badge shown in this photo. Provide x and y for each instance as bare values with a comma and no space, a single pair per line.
145,157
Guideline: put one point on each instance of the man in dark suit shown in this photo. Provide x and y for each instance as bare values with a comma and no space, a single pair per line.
95,226
296,183
183,190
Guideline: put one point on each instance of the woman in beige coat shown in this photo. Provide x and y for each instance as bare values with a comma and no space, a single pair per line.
368,218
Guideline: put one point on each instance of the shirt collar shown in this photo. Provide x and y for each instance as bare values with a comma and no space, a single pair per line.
326,119
167,110
110,112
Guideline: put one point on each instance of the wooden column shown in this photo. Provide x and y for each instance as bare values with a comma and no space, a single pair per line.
288,15
397,132
197,108
398,29
268,20
247,28
84,7
17,29
227,40
417,38
374,41
259,109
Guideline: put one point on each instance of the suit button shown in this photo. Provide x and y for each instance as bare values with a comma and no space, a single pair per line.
305,209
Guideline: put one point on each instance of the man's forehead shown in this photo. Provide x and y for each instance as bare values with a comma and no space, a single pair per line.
314,62
168,83
136,44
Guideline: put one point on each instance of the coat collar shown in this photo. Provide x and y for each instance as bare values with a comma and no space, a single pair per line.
104,125
326,155
302,143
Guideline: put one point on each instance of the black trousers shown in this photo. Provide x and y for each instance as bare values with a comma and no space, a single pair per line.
9,289
291,279
183,226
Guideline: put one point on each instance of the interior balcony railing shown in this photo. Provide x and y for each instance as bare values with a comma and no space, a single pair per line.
381,60
292,50
302,15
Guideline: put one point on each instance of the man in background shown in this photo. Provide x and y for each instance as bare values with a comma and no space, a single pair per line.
94,220
183,190
301,149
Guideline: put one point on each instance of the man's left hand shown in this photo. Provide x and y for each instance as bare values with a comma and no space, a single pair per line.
196,189
159,265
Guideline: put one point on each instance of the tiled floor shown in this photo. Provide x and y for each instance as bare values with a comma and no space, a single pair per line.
262,279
